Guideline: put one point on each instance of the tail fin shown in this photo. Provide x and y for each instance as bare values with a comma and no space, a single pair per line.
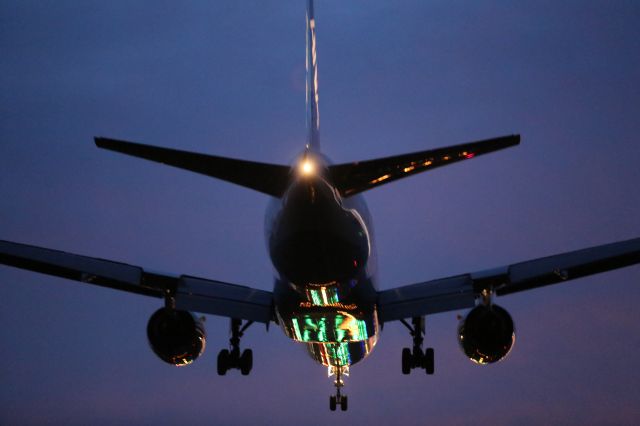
313,114
357,177
270,179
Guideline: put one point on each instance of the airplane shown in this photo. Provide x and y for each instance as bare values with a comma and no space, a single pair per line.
321,244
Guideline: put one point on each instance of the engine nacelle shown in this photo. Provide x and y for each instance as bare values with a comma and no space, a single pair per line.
177,337
486,334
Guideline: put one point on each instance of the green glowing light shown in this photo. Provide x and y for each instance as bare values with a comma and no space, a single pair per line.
362,330
315,297
322,330
336,328
332,295
325,296
296,329
339,353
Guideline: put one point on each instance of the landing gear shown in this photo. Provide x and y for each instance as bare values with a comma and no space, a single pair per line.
233,358
341,400
429,361
338,398
416,358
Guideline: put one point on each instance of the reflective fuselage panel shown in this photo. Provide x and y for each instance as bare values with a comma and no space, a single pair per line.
322,249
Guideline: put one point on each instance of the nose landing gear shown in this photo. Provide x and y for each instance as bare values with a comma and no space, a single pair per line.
233,358
416,358
338,398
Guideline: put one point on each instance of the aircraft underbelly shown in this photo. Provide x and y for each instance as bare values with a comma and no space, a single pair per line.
324,294
334,336
341,354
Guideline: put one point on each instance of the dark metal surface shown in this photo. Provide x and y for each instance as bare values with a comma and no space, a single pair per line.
315,239
270,179
360,176
190,293
571,265
224,299
176,337
460,291
486,335
426,298
105,273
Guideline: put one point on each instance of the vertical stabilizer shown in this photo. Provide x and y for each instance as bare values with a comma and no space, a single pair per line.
313,115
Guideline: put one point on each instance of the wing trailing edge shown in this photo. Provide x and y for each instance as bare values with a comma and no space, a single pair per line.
193,294
458,292
356,177
271,179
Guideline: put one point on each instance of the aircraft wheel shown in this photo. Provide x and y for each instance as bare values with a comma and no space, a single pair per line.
332,403
429,362
246,362
223,362
406,360
343,403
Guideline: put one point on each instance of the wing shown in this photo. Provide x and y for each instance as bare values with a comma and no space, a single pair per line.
353,178
461,291
190,293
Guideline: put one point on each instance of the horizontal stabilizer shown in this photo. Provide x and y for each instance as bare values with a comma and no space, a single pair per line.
270,179
353,178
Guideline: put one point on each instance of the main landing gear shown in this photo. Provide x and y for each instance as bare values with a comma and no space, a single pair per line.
416,358
338,398
232,358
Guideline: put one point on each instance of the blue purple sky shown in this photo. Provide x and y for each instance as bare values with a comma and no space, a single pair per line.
395,76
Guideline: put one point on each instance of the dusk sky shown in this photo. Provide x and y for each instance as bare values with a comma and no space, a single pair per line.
227,78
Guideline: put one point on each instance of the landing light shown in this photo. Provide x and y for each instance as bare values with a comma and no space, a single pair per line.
307,167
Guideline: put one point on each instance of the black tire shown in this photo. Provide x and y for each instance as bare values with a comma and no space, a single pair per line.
246,362
223,362
332,403
407,359
343,403
429,361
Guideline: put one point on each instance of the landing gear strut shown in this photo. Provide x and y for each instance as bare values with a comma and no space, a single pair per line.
416,358
232,358
338,398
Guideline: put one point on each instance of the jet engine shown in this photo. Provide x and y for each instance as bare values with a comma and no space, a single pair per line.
176,337
486,334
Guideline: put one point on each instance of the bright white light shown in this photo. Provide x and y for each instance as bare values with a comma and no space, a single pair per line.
307,167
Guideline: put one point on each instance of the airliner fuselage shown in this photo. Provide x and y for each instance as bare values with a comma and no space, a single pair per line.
321,246
320,241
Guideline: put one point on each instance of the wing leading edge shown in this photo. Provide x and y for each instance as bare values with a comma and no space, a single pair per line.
190,293
461,291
